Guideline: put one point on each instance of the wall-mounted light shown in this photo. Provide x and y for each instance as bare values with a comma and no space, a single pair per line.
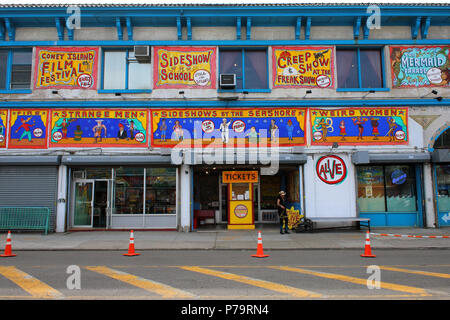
307,92
370,91
432,92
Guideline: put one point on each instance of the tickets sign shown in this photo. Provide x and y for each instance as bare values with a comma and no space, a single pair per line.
303,67
28,128
66,68
359,126
420,66
211,127
184,67
3,127
99,128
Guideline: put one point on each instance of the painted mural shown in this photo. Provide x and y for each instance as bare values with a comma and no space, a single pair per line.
420,66
218,127
28,128
3,127
303,67
184,67
359,126
66,68
99,128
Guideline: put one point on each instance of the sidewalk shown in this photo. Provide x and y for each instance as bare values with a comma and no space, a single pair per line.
223,239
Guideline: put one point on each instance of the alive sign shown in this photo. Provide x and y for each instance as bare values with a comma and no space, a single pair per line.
331,169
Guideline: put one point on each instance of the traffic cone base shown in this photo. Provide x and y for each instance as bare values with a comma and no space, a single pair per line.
131,251
8,251
367,250
259,248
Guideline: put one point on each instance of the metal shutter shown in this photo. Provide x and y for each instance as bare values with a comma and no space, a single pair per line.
30,186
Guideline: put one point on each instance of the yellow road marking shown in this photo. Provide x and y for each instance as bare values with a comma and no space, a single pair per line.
164,290
425,273
255,282
30,284
384,285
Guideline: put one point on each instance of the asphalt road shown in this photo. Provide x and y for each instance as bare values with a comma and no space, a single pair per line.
226,275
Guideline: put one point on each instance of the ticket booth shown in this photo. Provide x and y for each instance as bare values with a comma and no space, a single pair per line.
240,198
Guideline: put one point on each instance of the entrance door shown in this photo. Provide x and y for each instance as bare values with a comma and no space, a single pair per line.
84,203
101,204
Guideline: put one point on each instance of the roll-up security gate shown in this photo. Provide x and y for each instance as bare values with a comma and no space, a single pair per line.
29,186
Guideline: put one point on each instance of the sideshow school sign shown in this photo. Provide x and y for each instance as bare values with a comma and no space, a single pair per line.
66,68
303,67
359,126
420,66
184,67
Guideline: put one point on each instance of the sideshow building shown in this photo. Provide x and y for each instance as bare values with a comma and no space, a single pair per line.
173,117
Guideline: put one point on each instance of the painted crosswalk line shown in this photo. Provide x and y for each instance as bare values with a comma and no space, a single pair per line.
295,292
383,285
423,273
163,290
36,288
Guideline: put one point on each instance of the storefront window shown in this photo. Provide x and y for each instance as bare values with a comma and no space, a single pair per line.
129,191
371,197
443,187
160,193
400,188
386,188
98,173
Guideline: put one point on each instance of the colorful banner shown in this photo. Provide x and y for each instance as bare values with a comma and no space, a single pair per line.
66,68
421,66
28,128
99,128
206,127
3,127
184,67
303,67
359,126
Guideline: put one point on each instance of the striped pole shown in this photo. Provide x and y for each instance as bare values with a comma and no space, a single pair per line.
367,249
259,248
8,250
131,251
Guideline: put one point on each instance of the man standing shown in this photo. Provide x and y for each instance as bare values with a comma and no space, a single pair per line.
282,213
224,130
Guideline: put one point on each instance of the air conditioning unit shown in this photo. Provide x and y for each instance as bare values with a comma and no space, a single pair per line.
142,54
227,81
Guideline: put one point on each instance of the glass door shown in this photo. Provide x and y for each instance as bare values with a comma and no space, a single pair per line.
84,203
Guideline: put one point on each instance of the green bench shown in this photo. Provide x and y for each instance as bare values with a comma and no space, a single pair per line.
24,218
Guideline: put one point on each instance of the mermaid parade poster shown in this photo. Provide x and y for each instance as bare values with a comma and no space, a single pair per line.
420,66
28,128
99,128
3,127
359,126
213,127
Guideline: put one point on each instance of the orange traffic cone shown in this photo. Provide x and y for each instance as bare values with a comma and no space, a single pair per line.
8,251
259,249
131,246
367,249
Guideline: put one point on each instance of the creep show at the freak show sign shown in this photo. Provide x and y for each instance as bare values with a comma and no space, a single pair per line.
66,68
303,67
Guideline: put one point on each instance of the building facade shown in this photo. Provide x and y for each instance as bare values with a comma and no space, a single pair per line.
169,117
